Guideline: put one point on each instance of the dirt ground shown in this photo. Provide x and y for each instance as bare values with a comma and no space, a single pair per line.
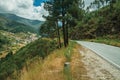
98,68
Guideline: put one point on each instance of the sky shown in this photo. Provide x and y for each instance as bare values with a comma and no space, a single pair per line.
30,9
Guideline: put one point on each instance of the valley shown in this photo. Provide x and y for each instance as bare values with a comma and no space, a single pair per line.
17,41
16,32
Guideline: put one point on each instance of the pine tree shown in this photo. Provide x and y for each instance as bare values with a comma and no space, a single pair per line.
65,11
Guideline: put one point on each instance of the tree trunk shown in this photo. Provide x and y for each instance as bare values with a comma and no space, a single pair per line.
64,33
58,34
63,24
67,41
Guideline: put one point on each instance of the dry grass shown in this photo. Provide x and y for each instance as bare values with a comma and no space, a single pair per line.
49,69
3,54
52,68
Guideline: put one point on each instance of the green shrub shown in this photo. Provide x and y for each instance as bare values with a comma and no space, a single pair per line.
11,63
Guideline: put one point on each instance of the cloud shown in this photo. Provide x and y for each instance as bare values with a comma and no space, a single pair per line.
87,3
23,8
26,9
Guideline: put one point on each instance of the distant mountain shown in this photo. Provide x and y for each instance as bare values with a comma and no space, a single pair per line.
33,23
7,24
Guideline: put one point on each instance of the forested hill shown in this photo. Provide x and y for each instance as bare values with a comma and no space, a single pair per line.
33,23
13,26
102,22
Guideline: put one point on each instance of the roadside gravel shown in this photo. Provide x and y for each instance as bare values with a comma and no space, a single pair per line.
97,67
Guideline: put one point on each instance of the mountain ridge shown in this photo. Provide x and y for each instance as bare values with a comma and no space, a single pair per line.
33,23
13,26
13,23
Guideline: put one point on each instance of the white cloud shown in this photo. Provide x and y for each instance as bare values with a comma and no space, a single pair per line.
23,8
87,3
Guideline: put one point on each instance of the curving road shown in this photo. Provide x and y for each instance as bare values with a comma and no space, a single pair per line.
109,53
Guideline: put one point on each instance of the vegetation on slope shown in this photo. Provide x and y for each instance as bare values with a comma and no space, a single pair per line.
3,41
14,41
33,23
52,67
13,26
14,62
99,23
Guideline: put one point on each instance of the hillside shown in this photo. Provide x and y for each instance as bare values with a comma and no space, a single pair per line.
33,23
13,63
13,26
4,40
104,22
14,41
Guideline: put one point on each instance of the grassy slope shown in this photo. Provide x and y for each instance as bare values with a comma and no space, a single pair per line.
52,67
14,63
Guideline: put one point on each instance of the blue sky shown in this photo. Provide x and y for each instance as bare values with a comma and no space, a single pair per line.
38,2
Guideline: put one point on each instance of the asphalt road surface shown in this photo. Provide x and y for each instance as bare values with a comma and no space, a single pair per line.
109,53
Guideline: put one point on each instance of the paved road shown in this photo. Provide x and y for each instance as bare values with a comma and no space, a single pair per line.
110,53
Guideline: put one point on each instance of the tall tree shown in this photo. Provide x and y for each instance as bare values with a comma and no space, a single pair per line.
67,11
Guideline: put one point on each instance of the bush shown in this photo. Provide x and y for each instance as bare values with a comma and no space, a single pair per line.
11,63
